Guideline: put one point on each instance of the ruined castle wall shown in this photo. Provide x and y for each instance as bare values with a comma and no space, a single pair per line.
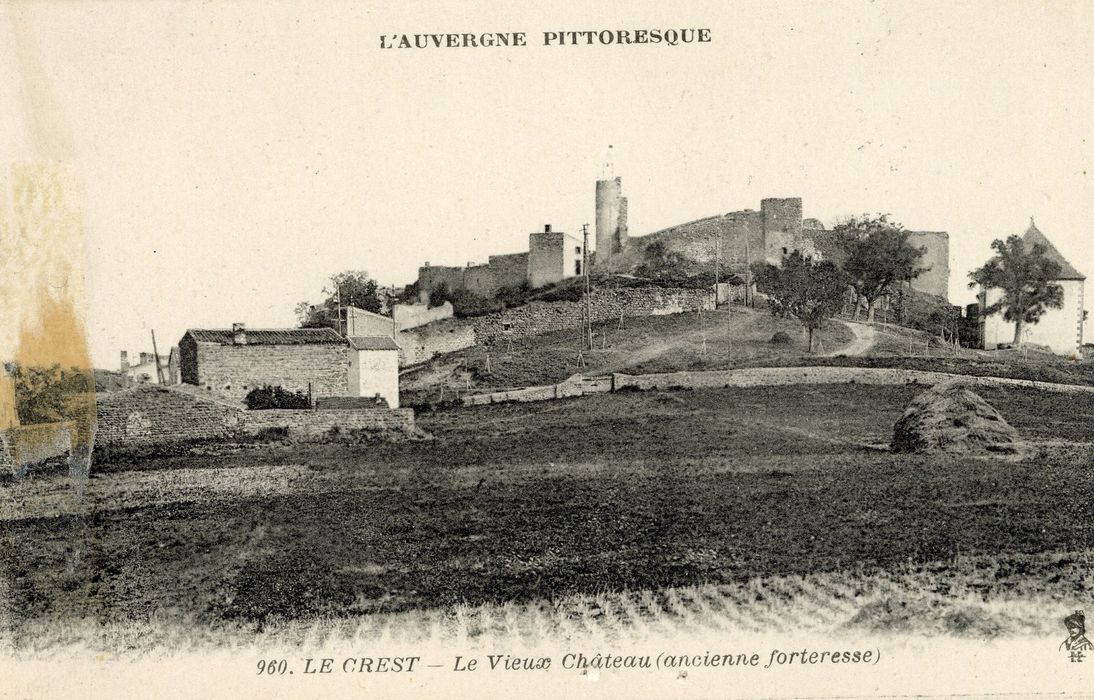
509,270
432,276
705,240
501,271
539,317
782,226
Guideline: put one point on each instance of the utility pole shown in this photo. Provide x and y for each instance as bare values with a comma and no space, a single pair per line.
717,267
156,358
587,318
338,301
748,271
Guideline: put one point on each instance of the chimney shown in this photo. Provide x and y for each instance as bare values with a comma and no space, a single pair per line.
546,228
239,334
125,360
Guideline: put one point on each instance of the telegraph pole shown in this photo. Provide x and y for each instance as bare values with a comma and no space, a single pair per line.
338,298
748,271
717,266
587,318
156,357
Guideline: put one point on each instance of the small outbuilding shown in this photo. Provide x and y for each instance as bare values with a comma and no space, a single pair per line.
374,368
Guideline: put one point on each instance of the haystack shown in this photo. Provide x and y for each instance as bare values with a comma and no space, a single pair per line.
951,418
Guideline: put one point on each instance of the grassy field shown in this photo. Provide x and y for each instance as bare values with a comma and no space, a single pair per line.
617,495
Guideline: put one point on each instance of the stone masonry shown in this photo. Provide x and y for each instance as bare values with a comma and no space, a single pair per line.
538,317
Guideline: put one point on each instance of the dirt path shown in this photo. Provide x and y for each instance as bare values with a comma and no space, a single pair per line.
864,340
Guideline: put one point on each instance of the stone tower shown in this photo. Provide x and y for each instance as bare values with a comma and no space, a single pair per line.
611,214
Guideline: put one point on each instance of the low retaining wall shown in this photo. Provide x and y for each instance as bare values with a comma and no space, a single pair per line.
322,423
152,415
578,385
773,376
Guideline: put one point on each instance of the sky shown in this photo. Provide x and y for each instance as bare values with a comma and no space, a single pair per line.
230,157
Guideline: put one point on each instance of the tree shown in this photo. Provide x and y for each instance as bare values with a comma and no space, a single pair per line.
1026,278
349,288
876,254
670,268
808,290
45,394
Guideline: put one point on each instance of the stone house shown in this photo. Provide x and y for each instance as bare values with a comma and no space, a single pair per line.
316,361
1060,330
553,256
232,362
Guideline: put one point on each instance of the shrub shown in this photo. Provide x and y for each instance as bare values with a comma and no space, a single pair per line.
269,397
271,434
563,291
782,338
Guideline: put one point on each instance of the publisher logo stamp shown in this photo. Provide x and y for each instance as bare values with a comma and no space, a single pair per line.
1077,646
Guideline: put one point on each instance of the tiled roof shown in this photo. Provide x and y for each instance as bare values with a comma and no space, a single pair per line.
270,336
1033,236
373,342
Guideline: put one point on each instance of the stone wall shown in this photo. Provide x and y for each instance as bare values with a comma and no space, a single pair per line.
409,316
155,415
539,317
501,271
508,270
707,240
232,371
329,423
774,376
364,323
152,415
418,345
432,276
579,385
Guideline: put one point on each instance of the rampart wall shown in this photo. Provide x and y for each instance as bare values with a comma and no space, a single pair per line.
539,317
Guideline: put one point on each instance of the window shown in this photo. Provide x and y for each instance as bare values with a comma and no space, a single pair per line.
577,267
578,250
785,251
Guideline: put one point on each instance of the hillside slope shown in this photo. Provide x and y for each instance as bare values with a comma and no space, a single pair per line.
714,340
